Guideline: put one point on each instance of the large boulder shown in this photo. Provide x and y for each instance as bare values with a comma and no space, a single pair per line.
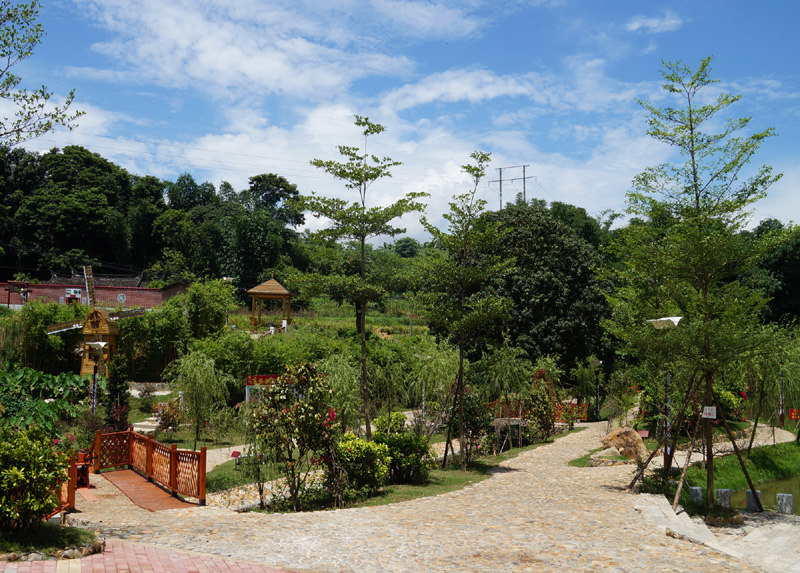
628,442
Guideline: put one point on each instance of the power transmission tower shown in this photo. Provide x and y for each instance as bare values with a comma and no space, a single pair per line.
523,178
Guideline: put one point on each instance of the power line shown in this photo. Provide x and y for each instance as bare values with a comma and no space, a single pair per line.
523,179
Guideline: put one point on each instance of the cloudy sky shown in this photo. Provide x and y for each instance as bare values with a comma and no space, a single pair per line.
227,90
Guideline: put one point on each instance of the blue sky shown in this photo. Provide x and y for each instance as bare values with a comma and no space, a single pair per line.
227,90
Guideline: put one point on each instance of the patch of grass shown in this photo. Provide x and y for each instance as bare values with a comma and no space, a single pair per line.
766,463
47,538
227,476
135,414
185,439
585,460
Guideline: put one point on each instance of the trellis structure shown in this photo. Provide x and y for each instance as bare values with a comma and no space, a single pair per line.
270,290
179,471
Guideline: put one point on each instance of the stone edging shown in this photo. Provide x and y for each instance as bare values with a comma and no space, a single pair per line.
96,546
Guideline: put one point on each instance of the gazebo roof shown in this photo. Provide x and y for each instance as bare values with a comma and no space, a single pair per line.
269,289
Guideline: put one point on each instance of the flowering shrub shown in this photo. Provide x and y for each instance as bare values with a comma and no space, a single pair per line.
411,457
358,468
169,417
294,421
32,469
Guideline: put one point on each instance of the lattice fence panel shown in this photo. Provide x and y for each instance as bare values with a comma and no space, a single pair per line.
189,473
161,455
115,449
139,453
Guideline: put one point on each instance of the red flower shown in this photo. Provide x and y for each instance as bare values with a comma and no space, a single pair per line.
55,441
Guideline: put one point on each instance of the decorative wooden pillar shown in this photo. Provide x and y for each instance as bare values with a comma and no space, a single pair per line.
173,470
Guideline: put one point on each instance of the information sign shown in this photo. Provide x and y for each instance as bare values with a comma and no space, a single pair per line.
710,412
258,380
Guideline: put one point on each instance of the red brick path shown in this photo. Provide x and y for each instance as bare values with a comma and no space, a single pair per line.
122,557
143,493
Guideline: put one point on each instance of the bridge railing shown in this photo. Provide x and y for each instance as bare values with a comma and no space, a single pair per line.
179,471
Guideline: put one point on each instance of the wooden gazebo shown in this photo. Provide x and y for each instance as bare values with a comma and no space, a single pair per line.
270,290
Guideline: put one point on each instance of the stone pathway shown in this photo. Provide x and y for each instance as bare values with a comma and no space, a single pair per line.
535,513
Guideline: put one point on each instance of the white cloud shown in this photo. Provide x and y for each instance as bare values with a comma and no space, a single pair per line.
667,22
427,19
223,50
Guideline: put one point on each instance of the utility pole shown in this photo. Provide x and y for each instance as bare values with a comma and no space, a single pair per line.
524,178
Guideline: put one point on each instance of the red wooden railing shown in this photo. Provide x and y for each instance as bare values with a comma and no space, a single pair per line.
513,409
572,408
66,493
179,471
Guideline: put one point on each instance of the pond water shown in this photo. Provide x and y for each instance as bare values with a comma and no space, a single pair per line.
769,494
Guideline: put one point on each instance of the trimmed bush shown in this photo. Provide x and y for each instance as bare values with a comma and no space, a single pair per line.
392,423
32,470
411,457
363,466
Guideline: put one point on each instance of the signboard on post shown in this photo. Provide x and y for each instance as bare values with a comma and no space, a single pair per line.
710,412
258,380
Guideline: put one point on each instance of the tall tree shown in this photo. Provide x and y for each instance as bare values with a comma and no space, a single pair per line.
558,302
20,33
276,195
687,255
359,222
458,305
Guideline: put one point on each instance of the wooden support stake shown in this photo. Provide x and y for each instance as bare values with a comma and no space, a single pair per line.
739,457
640,472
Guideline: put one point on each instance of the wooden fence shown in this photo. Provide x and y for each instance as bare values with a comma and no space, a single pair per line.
179,471
514,409
66,493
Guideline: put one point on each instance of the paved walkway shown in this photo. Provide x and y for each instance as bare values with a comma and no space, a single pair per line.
119,557
536,513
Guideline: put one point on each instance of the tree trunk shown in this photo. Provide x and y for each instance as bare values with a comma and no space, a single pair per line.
460,393
365,397
708,431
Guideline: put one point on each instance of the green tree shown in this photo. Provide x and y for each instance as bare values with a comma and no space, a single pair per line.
358,222
276,195
457,303
557,296
204,388
687,254
20,33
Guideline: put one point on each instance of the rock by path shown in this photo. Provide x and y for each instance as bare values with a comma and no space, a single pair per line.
536,513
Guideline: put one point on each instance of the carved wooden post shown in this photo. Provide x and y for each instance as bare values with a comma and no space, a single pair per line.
97,446
173,470
201,476
130,447
148,458
72,483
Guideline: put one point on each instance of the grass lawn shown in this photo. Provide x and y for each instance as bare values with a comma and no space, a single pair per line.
766,463
47,538
227,476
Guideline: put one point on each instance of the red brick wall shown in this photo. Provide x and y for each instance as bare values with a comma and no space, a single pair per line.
135,297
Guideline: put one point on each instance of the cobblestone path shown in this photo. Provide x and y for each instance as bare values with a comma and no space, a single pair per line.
536,513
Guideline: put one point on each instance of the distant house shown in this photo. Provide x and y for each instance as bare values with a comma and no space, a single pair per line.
111,291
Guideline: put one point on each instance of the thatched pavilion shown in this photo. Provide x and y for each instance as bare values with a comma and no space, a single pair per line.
270,290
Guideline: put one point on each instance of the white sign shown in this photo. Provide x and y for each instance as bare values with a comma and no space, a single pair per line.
121,297
710,412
